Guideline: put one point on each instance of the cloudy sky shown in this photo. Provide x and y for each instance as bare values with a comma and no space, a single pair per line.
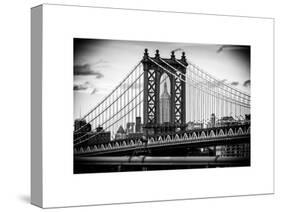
99,65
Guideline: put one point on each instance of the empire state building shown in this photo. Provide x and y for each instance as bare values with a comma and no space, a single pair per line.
165,100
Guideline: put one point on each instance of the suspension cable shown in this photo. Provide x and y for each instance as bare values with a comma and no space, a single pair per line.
112,102
216,80
184,80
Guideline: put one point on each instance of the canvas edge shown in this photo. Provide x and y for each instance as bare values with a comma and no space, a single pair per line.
36,106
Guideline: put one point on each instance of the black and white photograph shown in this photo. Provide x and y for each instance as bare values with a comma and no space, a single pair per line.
142,105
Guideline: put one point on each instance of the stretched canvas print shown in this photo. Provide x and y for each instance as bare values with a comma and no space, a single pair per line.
132,105
141,106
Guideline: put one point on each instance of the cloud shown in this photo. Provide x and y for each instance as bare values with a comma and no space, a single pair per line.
94,91
100,63
79,87
232,48
85,87
235,83
220,49
247,83
86,69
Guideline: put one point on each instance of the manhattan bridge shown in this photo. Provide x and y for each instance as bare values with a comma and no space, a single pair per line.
198,121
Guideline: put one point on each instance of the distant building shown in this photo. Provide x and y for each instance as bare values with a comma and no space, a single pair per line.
130,127
88,137
138,124
233,150
120,134
194,125
100,136
99,129
135,135
226,121
165,104
213,120
80,125
247,118
237,150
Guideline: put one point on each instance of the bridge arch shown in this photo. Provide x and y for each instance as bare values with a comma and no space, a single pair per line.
194,135
203,135
151,140
230,132
221,133
240,131
212,133
168,138
139,142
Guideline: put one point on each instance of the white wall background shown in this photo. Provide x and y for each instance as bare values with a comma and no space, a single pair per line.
15,103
